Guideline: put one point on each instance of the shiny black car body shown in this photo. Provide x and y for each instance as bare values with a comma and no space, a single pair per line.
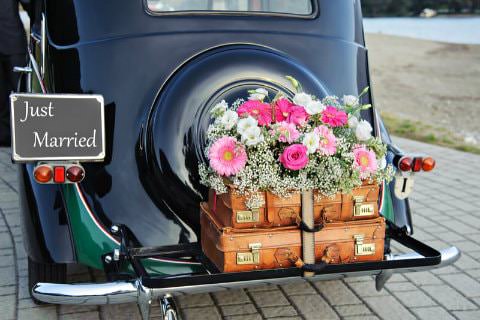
159,74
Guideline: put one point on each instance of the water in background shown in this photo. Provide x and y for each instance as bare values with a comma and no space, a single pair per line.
447,29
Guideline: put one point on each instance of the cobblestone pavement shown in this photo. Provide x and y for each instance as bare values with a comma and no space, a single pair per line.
445,213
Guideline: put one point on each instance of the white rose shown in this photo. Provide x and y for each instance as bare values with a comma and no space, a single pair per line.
258,94
314,107
302,99
382,163
353,122
350,101
311,140
219,109
229,119
363,130
245,124
252,136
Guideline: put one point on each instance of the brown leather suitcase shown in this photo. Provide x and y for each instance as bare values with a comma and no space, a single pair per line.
231,210
235,250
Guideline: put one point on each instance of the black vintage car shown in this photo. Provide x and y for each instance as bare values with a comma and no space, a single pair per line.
146,73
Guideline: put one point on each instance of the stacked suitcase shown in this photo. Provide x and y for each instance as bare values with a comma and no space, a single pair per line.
236,238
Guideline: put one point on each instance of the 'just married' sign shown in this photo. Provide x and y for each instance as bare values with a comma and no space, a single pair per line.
57,127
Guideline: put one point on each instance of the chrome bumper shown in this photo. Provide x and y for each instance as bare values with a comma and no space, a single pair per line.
134,291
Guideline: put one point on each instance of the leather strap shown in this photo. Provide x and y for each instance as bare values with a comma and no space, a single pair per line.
214,209
305,228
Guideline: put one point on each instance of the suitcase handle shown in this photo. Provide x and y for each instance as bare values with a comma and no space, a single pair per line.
315,268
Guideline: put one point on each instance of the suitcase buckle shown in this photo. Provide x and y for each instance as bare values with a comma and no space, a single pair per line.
363,249
361,209
252,257
248,216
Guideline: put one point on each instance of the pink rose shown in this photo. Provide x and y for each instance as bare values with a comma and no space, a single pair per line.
334,117
294,157
258,110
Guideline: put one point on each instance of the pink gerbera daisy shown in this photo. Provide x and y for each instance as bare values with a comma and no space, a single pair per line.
365,161
258,110
327,140
287,132
288,112
334,117
227,156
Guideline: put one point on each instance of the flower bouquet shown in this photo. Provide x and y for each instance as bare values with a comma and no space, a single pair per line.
285,145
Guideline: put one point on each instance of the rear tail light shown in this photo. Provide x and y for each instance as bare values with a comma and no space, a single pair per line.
428,164
43,174
417,164
405,164
75,174
58,173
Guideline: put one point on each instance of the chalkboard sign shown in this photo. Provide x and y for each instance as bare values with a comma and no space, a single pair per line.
57,127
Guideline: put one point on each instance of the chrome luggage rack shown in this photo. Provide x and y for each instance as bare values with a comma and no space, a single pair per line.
142,287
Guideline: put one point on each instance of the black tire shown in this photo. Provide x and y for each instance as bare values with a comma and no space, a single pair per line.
42,272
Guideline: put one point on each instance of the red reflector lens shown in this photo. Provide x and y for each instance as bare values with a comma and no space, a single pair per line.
428,164
417,164
59,174
75,174
43,174
405,164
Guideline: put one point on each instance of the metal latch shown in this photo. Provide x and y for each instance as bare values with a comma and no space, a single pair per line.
248,216
252,257
363,249
361,209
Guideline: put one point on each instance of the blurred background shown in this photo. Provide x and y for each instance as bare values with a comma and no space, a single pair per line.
425,66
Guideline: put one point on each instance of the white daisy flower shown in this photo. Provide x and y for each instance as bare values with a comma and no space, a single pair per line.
245,124
258,94
252,136
311,140
302,99
363,131
350,101
219,109
314,107
229,119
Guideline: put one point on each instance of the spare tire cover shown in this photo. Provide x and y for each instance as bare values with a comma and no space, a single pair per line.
178,121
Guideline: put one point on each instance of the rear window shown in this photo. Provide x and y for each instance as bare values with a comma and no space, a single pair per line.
295,7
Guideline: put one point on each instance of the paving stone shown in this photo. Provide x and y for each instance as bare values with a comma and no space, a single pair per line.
274,312
463,283
366,289
40,313
6,261
465,262
414,299
207,313
400,286
194,300
437,313
265,287
122,311
467,315
388,307
353,310
269,298
314,307
93,315
7,290
466,246
361,318
245,317
448,297
5,240
231,297
336,293
423,278
69,309
7,306
303,287
7,276
238,309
